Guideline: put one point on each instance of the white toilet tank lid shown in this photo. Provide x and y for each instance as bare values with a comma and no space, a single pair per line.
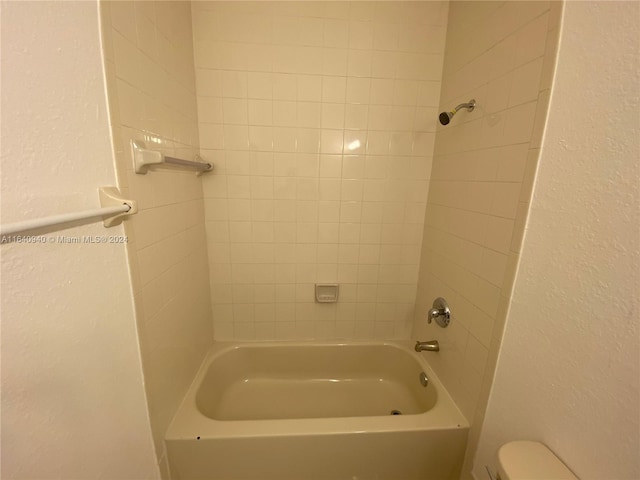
526,460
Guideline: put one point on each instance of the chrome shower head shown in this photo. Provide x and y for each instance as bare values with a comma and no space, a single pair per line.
445,117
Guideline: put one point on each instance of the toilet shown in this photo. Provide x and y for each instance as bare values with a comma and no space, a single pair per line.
526,460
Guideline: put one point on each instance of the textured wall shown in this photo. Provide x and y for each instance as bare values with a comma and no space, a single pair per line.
151,86
503,55
321,119
568,373
73,401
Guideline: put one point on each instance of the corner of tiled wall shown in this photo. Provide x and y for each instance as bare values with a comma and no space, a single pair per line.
148,54
320,117
502,54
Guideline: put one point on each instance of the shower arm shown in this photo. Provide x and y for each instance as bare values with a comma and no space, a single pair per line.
469,106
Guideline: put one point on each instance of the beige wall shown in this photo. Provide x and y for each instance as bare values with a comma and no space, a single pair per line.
321,119
501,54
569,367
73,401
151,86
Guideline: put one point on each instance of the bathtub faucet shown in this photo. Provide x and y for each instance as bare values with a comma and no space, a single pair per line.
430,346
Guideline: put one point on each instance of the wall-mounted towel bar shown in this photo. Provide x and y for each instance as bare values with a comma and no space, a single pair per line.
143,158
114,208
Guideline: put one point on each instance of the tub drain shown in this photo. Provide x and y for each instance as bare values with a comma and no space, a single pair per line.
396,412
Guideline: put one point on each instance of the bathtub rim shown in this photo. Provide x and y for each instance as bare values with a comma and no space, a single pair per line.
189,423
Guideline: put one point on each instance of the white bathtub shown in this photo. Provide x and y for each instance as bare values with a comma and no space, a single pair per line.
307,411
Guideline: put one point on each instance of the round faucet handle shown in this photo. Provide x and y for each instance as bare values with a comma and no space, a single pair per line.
440,312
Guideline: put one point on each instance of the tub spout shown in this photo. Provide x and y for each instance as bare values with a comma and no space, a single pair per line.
430,346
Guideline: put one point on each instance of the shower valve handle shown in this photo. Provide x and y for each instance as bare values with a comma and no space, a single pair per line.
440,312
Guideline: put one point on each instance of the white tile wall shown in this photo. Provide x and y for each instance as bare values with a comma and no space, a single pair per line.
320,118
503,55
151,89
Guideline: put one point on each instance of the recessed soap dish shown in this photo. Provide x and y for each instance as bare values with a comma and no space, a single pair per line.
327,292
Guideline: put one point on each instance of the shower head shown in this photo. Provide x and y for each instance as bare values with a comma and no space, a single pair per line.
445,117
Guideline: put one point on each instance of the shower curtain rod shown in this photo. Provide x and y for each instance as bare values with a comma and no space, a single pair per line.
25,225
114,207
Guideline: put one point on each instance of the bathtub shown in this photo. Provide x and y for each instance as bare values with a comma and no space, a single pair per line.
303,411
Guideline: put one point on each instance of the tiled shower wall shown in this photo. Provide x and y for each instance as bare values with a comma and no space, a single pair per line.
151,90
320,119
503,55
